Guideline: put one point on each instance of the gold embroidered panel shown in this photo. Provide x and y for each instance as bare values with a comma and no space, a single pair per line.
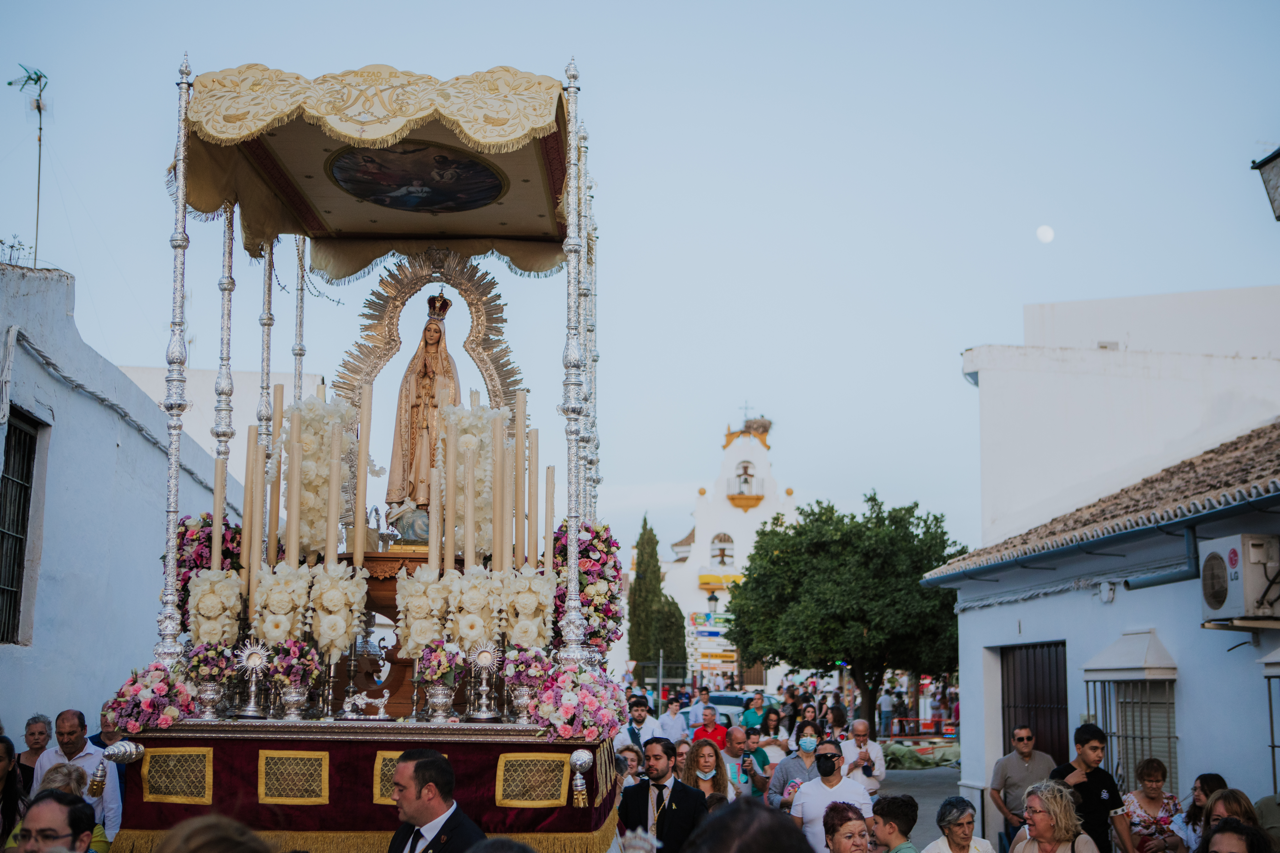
171,775
384,770
532,780
606,771
290,778
376,106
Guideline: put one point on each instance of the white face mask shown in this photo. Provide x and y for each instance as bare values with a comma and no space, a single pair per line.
808,744
706,775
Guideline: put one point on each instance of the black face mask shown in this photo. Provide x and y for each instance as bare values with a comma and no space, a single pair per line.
826,764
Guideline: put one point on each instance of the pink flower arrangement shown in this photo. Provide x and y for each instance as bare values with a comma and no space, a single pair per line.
442,661
599,585
574,701
525,667
211,662
294,663
151,699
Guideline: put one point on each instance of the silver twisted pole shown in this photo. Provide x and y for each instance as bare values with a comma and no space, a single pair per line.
223,386
593,354
586,436
298,349
575,624
266,319
168,650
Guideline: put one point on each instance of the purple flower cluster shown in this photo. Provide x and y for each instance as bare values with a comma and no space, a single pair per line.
442,661
525,667
294,662
211,662
195,552
598,584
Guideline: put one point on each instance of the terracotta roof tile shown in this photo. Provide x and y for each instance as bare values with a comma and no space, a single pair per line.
688,540
1245,467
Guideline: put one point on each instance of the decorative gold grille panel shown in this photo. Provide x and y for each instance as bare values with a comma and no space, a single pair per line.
384,771
178,776
293,778
532,780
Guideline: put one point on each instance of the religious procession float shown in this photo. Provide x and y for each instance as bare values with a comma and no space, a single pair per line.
267,699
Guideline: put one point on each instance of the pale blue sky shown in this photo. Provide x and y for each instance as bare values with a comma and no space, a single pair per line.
813,207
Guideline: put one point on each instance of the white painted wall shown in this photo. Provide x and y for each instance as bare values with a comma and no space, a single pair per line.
198,419
1234,322
98,519
1063,427
1220,697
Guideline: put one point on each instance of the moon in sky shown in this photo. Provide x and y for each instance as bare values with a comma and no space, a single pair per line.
1045,234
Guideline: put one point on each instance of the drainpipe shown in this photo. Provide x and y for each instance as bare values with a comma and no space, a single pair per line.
1190,573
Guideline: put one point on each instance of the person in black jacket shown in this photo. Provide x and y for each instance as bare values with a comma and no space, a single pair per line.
661,804
433,823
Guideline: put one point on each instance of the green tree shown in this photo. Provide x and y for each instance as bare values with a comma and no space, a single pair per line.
667,636
835,587
644,601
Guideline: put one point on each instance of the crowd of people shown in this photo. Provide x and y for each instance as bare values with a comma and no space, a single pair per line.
798,778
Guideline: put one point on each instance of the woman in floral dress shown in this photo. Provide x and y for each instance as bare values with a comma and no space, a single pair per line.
1151,811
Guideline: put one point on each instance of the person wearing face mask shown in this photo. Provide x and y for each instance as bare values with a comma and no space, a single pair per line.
809,806
705,770
798,768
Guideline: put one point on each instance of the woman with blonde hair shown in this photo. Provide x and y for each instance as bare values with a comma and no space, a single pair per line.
1051,824
69,779
1229,802
705,769
211,833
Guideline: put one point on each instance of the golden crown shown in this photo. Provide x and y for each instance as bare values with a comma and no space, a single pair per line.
437,307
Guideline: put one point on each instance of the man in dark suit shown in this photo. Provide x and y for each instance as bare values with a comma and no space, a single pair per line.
433,823
662,805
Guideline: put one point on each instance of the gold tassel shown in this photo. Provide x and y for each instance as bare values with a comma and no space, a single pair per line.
579,799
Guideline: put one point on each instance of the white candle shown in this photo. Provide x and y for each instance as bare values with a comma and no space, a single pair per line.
433,523
255,555
549,541
475,399
219,501
247,516
360,525
335,494
292,531
273,523
469,507
499,475
449,517
532,558
517,493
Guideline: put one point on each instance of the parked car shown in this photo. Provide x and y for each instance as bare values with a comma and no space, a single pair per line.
728,716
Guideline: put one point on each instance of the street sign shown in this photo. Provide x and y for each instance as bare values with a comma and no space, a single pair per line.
710,633
631,665
711,620
725,656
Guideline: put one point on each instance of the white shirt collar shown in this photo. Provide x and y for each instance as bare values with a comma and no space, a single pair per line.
429,830
90,748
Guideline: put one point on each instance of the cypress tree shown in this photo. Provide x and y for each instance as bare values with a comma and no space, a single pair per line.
644,600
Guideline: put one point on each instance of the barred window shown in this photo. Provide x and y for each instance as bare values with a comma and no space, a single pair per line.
15,512
1138,717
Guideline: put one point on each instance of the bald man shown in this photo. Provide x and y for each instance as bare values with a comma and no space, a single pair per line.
74,748
742,770
863,757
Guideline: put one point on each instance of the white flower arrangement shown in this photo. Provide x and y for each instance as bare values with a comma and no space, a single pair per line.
338,594
421,603
214,606
316,420
281,603
526,596
464,425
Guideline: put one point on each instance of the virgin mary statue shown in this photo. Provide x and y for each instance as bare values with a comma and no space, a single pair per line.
413,447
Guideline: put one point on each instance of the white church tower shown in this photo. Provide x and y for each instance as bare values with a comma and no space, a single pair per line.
726,518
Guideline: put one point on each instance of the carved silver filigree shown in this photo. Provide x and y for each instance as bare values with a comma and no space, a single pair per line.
575,624
168,651
298,349
223,385
266,319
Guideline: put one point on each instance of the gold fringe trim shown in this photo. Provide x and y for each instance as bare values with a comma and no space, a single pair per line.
146,840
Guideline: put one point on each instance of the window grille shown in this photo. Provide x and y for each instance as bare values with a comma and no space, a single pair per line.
1138,718
15,511
1273,699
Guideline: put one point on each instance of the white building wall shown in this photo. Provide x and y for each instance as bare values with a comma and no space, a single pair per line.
198,419
1232,322
97,531
1061,428
1220,695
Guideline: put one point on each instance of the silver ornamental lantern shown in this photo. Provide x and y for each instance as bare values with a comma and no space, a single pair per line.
580,760
252,660
485,660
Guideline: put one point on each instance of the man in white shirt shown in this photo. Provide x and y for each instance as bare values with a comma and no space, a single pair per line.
74,748
864,758
673,726
640,729
831,786
704,701
422,789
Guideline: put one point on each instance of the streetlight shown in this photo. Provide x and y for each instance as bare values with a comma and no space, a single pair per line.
1269,168
712,601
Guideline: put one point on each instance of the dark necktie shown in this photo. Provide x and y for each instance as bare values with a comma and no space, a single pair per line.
417,836
658,798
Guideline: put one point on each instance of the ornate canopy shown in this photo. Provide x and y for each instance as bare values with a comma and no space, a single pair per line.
375,161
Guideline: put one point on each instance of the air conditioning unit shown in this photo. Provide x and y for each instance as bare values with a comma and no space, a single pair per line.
1236,575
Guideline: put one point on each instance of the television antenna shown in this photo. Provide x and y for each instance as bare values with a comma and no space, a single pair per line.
35,79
